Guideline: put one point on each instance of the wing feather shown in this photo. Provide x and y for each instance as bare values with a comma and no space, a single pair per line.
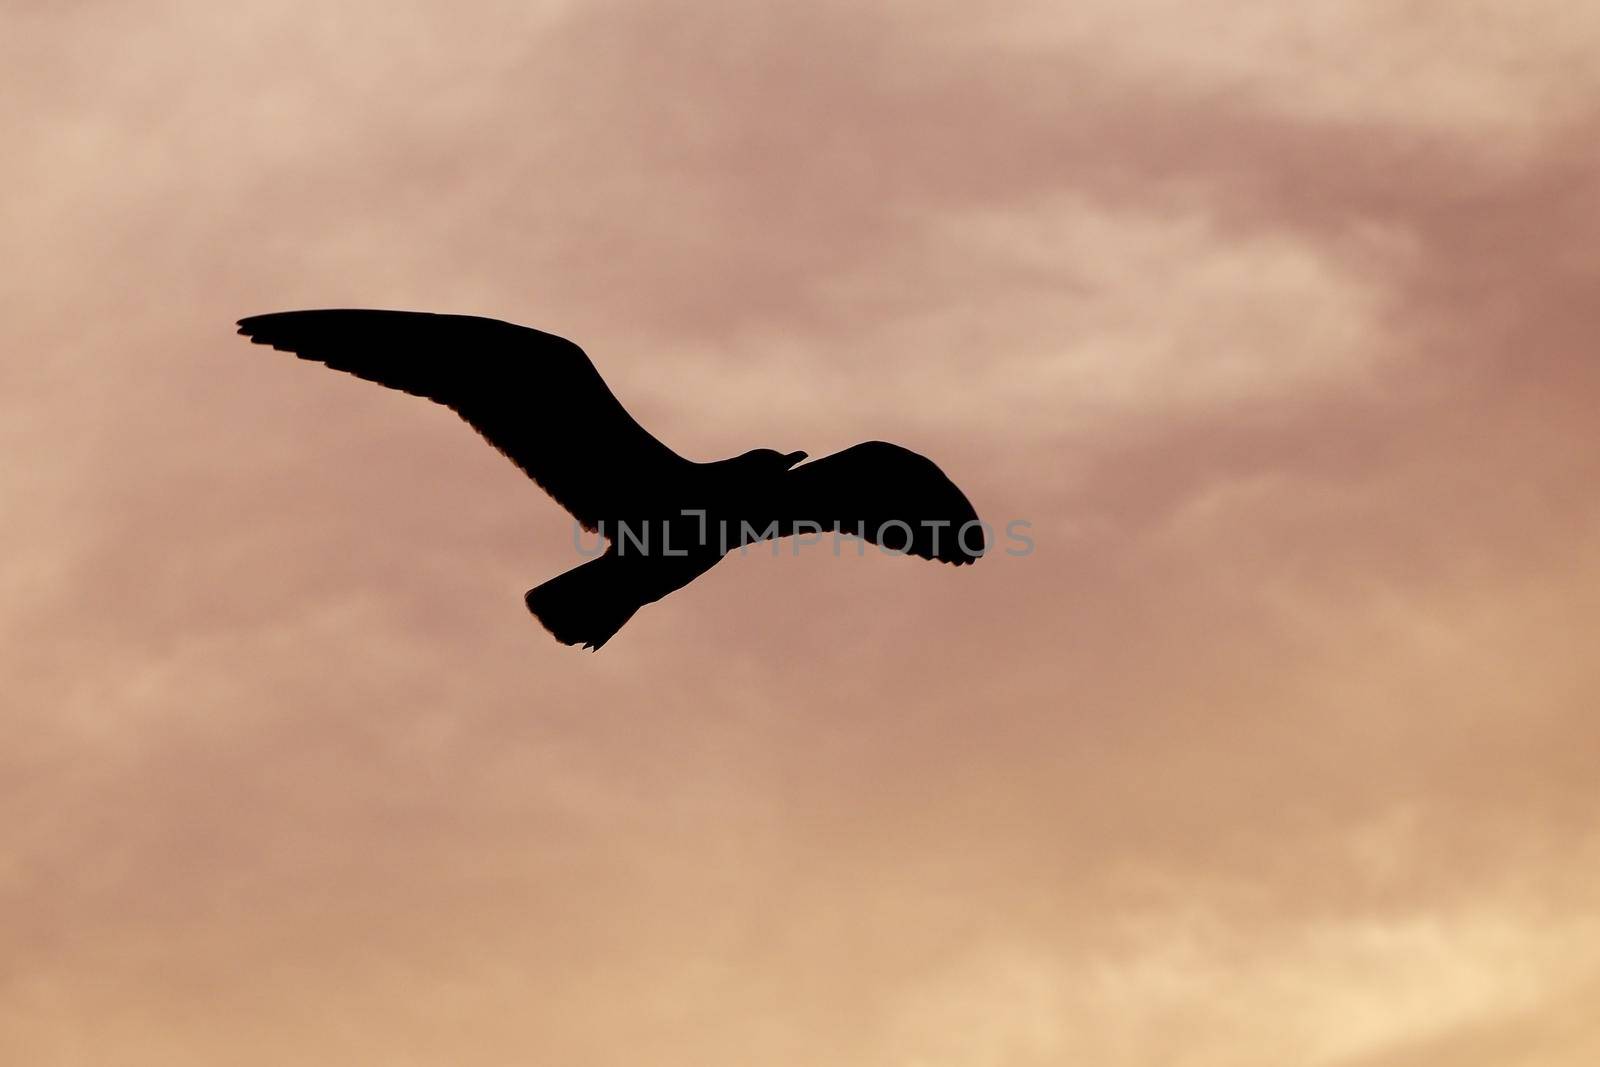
891,496
535,396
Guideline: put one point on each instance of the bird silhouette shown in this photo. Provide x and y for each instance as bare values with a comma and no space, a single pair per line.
538,399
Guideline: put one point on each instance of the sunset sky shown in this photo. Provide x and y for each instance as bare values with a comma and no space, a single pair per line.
1277,321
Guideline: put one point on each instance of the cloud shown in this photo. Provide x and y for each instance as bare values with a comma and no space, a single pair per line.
1276,325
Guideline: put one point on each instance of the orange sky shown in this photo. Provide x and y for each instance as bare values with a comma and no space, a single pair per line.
1278,324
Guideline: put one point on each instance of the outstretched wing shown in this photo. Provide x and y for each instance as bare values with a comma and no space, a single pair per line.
534,396
891,496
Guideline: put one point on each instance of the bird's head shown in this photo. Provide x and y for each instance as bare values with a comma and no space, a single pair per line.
770,459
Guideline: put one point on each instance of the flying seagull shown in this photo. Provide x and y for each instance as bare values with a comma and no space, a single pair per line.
668,520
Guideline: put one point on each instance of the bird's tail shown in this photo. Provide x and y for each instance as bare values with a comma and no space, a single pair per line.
587,604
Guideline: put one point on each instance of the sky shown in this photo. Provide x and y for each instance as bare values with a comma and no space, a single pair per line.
1275,322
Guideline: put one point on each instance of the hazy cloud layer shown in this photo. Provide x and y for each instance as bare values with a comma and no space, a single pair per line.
1277,326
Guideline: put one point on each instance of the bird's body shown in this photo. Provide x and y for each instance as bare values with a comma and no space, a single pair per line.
538,399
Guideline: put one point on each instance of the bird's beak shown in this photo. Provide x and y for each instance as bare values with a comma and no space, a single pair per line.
795,457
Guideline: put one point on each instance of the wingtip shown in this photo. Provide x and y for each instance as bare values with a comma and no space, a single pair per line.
251,325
